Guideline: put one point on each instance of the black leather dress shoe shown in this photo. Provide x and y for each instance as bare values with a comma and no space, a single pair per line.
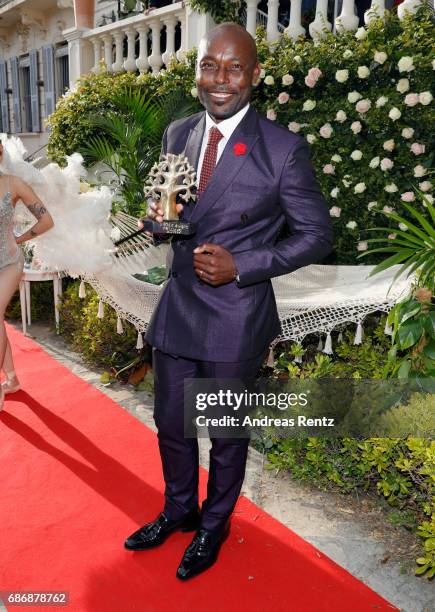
201,553
155,533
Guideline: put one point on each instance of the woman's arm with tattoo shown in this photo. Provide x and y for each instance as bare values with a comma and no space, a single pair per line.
23,191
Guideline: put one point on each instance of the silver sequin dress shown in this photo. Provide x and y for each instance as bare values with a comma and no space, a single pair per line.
10,253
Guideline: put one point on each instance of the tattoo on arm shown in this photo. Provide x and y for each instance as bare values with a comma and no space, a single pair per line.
37,210
33,233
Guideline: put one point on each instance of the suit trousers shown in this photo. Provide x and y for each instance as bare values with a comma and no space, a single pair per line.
179,455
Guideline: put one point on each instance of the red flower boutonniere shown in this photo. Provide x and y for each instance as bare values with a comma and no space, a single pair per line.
239,148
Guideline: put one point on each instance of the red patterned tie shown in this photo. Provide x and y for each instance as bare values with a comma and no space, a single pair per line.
210,156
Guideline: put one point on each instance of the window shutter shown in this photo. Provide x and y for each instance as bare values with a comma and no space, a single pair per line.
16,100
34,93
4,96
50,94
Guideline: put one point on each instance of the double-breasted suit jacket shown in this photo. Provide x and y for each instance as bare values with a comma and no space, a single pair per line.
255,188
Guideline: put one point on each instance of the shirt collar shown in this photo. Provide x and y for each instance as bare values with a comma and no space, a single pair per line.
227,126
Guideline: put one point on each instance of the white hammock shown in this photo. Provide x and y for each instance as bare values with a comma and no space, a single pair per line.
314,299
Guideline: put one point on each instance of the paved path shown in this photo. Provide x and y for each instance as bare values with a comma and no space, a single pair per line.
351,532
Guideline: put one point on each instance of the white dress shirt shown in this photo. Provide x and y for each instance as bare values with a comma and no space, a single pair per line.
226,128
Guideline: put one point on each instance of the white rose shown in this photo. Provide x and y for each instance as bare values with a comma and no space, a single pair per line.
362,246
311,138
334,194
356,155
297,59
262,73
326,131
342,75
391,188
408,196
269,80
425,98
294,126
386,164
348,53
335,211
341,116
406,64
287,79
345,182
403,227
387,210
309,105
374,163
359,188
408,132
353,97
381,101
356,127
394,114
194,92
363,72
328,169
372,205
429,198
380,57
351,225
402,85
360,34
419,171
336,158
389,145
425,185
363,106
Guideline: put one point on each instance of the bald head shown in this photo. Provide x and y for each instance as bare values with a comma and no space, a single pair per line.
227,68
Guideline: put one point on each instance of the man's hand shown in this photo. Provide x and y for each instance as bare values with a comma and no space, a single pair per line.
155,214
214,265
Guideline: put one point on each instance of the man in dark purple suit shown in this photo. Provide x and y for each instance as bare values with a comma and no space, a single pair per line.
217,314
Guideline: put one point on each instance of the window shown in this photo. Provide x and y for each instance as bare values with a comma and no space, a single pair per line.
62,70
25,99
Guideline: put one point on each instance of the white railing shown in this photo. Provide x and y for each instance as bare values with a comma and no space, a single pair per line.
346,21
110,41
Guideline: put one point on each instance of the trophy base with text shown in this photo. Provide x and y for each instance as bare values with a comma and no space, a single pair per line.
175,227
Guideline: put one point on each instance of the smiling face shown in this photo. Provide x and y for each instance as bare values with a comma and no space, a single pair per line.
226,70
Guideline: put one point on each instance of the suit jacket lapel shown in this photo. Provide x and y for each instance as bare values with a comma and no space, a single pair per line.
229,164
194,142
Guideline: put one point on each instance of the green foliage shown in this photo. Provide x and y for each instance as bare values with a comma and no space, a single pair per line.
413,244
413,351
365,360
96,339
71,124
129,140
400,470
220,10
42,303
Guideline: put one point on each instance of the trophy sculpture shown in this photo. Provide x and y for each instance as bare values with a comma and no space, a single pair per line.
168,178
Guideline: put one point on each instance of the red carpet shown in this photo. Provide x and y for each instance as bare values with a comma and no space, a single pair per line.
79,474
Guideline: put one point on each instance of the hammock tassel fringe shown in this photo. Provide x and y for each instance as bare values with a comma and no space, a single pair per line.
139,343
328,345
119,328
100,313
82,290
359,334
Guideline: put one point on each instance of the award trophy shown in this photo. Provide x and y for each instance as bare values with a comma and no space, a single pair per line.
169,178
